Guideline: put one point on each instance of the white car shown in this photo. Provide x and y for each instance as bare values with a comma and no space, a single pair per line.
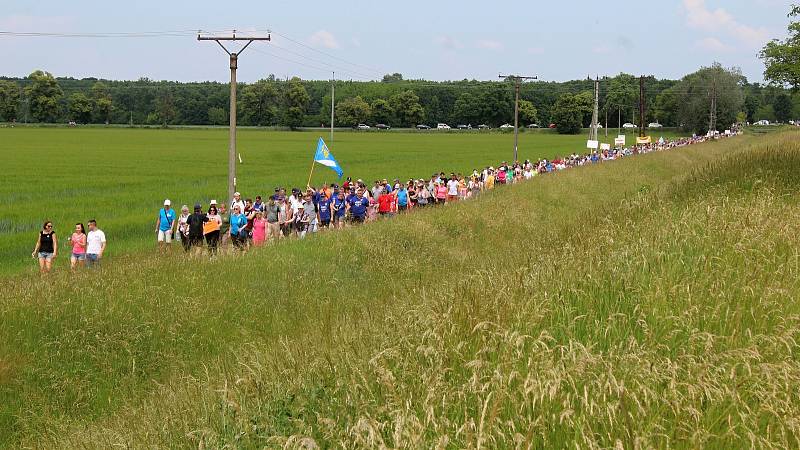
506,126
762,122
362,126
442,126
654,125
629,125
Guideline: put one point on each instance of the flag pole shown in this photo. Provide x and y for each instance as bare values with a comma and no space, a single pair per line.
313,160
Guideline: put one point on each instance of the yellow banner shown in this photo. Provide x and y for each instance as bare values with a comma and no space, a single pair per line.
643,140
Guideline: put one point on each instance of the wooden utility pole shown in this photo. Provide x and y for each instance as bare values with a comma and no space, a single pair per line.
517,80
641,107
234,59
593,128
712,121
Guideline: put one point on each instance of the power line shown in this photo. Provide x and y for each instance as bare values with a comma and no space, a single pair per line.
333,66
134,34
371,69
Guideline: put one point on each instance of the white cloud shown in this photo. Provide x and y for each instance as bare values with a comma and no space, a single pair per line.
711,44
488,44
324,38
536,51
601,49
699,16
356,42
448,42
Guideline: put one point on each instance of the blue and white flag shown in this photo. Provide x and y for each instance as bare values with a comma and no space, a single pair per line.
325,158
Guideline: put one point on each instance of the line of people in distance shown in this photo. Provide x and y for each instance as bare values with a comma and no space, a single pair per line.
247,222
244,223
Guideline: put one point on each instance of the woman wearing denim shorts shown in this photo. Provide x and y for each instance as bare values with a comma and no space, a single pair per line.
78,241
46,248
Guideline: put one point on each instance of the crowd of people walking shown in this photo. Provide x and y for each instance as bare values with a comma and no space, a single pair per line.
245,222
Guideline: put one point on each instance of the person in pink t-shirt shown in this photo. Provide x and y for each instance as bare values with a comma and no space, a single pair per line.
259,229
441,192
78,241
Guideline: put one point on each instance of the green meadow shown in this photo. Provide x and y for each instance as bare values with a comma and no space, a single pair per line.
120,176
651,302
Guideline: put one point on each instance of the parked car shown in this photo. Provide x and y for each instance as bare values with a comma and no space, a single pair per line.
423,127
654,125
483,126
629,125
762,122
552,125
442,126
464,127
382,126
362,126
506,126
533,125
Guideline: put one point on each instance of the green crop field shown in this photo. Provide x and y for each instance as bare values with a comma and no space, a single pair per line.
650,302
121,176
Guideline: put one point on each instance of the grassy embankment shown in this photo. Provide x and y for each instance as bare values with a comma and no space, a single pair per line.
648,302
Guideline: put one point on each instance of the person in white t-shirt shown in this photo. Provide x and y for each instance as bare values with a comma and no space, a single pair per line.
452,189
95,244
237,201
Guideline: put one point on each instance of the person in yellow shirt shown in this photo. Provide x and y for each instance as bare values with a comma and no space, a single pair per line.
489,183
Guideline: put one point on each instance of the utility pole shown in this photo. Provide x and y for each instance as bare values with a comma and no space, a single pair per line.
712,122
641,106
593,129
333,93
517,80
234,59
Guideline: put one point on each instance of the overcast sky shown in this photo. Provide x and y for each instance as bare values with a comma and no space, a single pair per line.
435,40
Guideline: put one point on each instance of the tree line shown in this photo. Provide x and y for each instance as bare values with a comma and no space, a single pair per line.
41,97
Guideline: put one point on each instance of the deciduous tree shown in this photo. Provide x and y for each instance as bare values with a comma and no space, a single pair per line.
527,112
568,113
352,111
296,98
406,108
44,95
782,58
80,108
9,100
102,102
381,111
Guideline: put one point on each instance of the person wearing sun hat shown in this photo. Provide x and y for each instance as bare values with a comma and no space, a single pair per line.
165,226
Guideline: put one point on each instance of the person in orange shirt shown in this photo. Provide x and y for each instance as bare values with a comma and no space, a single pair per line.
211,230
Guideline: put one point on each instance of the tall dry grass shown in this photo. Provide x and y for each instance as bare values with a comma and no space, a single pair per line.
647,303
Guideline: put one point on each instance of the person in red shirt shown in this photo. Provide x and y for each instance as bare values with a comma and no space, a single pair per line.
385,204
